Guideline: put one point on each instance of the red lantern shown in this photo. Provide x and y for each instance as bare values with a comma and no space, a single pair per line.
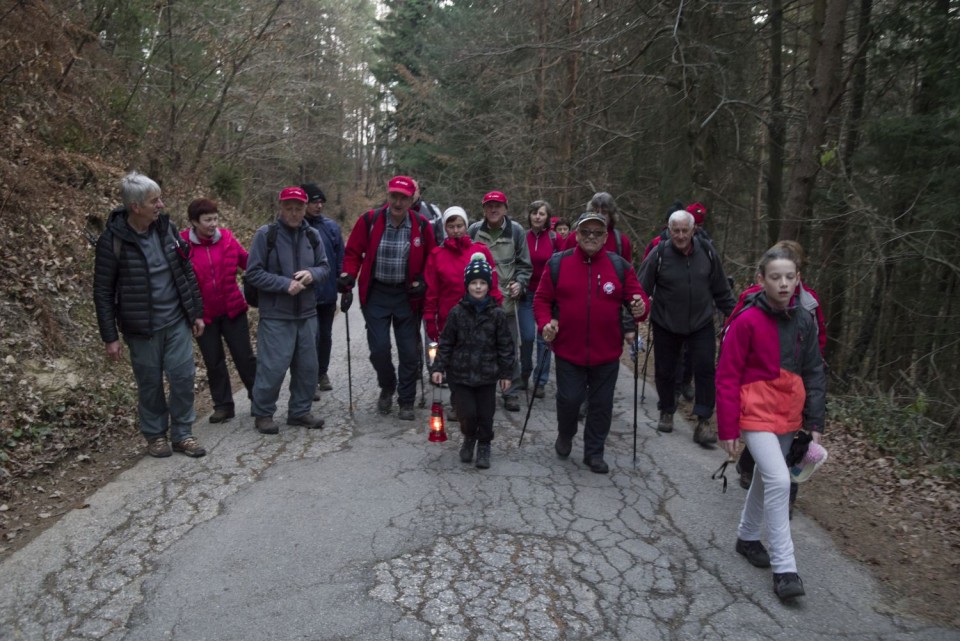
437,433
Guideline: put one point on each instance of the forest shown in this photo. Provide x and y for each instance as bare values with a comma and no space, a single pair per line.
831,122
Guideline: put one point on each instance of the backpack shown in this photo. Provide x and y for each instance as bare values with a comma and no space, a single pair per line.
250,293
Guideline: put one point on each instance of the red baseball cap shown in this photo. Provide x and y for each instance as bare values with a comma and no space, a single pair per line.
699,212
494,197
293,193
402,185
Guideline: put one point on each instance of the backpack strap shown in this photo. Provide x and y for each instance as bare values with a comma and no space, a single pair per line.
553,264
619,265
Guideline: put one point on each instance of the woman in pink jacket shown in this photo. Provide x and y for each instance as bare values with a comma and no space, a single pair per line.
216,256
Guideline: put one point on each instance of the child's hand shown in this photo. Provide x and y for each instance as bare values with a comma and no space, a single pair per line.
436,378
505,384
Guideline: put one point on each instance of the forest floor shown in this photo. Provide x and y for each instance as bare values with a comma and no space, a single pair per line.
905,529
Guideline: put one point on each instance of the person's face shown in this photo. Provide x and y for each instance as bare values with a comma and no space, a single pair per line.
292,212
538,219
399,203
455,227
680,234
780,280
591,235
148,211
562,231
494,212
478,288
315,208
206,226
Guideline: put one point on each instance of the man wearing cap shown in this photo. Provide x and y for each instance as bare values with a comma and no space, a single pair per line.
142,263
686,279
386,256
287,260
326,291
579,315
507,241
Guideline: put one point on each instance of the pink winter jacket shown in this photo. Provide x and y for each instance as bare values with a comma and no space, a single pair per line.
215,262
444,278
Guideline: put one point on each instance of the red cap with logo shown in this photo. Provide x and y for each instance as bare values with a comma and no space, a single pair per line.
494,197
699,212
293,193
402,185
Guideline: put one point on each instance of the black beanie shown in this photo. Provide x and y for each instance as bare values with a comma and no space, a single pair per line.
314,193
478,268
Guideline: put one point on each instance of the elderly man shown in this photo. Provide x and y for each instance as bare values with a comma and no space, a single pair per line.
388,250
587,287
686,280
287,260
144,285
507,241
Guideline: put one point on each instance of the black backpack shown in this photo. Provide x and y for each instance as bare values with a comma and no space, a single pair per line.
251,293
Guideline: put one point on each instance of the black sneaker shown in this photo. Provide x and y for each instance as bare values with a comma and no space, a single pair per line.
511,403
307,420
323,384
466,450
563,445
787,585
385,402
597,465
483,456
755,552
406,413
665,424
222,416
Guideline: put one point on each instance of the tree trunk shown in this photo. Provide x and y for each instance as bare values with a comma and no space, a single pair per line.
777,124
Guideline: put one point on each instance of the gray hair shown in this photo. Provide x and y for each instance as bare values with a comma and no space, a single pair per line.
603,200
136,188
681,215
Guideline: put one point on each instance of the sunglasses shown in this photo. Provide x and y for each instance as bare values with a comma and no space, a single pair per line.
591,233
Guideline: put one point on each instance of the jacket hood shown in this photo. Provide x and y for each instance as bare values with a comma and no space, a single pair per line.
460,244
760,300
196,240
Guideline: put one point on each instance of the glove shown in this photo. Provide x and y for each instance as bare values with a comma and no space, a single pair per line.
345,283
418,290
346,300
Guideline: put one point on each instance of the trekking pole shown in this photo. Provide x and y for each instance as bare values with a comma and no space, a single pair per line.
421,347
536,382
344,307
646,359
519,348
636,375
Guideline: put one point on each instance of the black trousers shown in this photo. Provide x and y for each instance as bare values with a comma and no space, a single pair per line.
596,383
236,333
325,314
475,409
667,347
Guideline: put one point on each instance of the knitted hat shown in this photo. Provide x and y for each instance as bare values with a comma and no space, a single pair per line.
454,212
478,268
314,193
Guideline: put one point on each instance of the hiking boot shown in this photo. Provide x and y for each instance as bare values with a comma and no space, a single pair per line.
221,416
703,434
787,585
539,392
466,450
524,383
483,456
191,447
316,395
159,447
324,384
563,445
406,413
511,403
385,402
596,464
266,425
666,422
307,420
686,391
755,552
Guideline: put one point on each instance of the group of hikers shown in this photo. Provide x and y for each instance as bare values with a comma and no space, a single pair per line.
499,300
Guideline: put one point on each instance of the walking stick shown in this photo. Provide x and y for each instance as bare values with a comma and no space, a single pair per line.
344,307
636,375
536,384
421,349
646,359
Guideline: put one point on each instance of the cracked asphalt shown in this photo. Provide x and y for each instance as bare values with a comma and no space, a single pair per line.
365,530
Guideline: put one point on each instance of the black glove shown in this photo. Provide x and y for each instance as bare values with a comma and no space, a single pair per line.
417,291
346,300
345,283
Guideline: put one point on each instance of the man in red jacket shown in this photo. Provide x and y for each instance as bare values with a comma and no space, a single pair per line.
588,291
388,250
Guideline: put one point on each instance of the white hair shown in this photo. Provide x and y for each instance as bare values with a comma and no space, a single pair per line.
136,188
681,216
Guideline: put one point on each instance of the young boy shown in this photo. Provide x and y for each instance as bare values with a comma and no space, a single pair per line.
476,352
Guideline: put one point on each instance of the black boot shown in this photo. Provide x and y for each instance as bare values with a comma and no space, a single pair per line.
483,456
466,450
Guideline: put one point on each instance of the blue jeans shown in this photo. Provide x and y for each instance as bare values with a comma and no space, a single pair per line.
388,306
169,351
282,345
597,383
528,333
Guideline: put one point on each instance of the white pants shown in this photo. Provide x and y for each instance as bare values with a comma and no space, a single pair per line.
769,497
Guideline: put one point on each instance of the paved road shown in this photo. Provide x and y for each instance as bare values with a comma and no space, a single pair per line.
366,531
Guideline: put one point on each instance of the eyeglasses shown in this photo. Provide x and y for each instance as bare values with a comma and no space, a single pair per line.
592,233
